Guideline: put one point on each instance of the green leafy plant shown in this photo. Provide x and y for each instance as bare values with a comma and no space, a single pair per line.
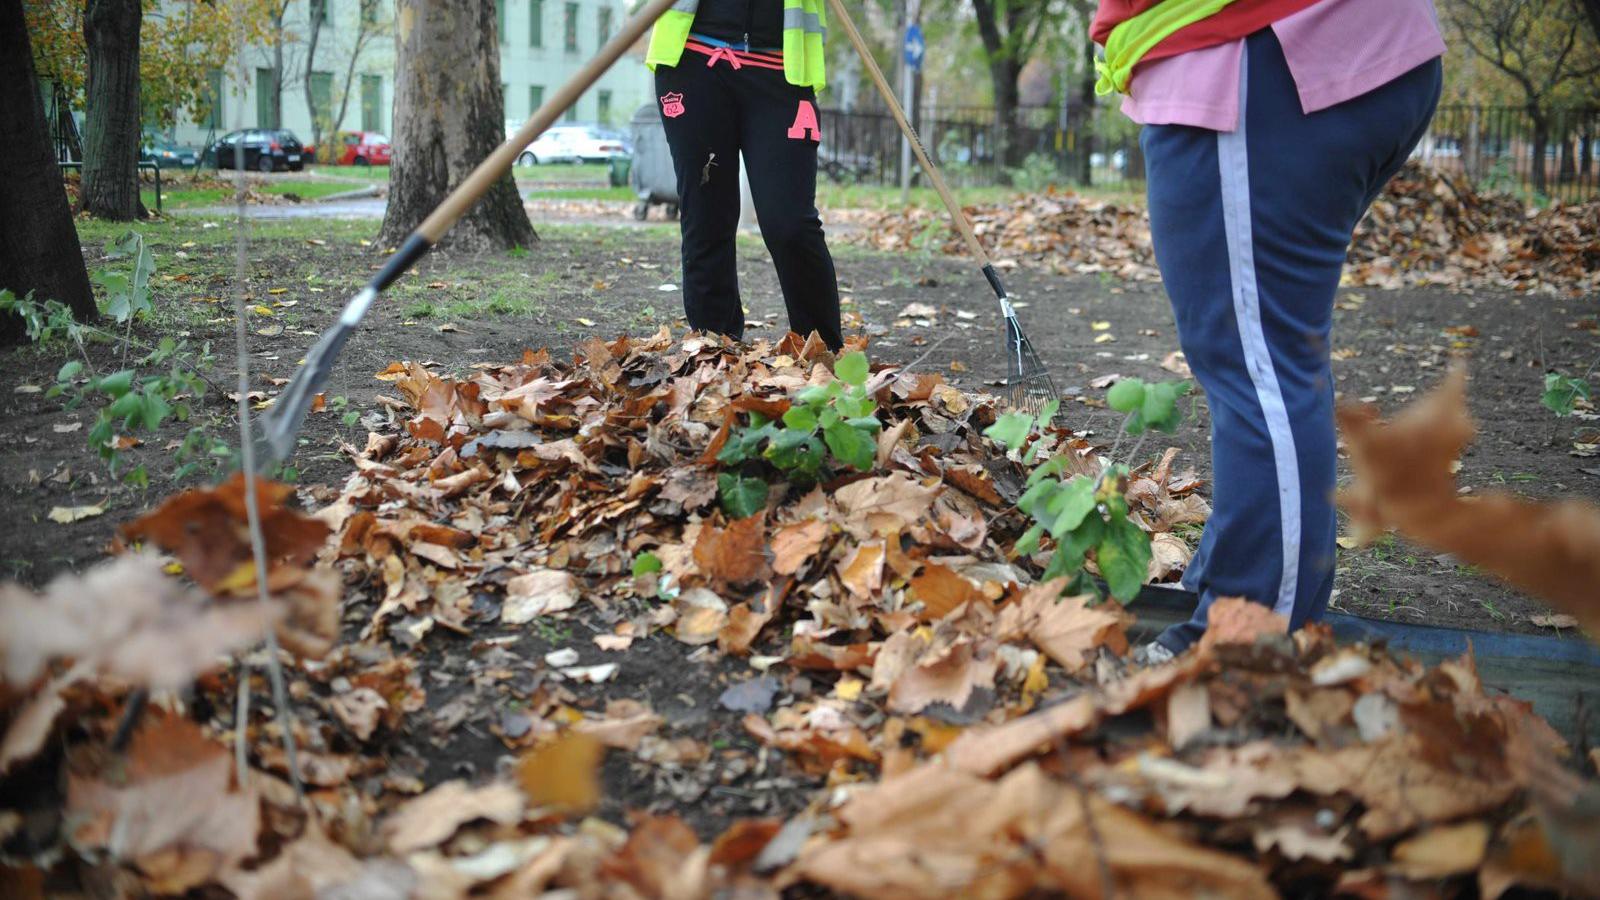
831,424
126,295
1085,514
165,382
1562,392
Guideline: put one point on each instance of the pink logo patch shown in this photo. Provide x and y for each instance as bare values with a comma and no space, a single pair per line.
672,105
805,123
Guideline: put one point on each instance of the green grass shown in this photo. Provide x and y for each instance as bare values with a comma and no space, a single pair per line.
605,193
175,196
563,172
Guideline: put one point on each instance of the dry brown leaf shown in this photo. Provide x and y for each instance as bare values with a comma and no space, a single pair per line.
736,554
701,616
124,618
743,626
986,750
662,859
431,819
537,593
941,590
1297,842
862,571
1405,479
944,675
1235,620
1443,851
171,813
361,710
795,544
1188,714
311,867
1067,629
627,722
563,774
884,504
206,530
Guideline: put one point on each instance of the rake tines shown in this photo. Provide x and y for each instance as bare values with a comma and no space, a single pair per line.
1028,384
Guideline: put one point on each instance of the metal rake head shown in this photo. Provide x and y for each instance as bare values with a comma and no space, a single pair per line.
1028,384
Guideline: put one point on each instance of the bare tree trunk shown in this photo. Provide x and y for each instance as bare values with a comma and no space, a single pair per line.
1086,103
39,251
314,12
1541,140
448,115
111,151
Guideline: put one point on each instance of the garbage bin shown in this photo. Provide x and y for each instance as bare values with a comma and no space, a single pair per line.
620,164
650,171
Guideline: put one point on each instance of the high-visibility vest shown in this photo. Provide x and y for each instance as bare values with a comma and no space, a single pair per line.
805,28
1135,31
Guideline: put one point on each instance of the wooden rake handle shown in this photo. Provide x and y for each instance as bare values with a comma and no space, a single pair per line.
957,217
499,162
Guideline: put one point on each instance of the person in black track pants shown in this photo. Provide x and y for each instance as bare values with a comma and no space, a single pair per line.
740,77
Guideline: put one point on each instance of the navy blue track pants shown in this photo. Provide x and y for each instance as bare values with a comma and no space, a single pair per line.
1250,229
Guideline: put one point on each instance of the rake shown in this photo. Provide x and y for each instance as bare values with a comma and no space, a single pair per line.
282,422
1028,384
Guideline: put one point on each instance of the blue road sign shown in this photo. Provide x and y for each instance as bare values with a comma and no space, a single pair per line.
914,47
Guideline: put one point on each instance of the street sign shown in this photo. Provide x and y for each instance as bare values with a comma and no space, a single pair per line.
914,46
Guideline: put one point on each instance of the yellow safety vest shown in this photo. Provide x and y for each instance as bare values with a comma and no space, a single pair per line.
805,28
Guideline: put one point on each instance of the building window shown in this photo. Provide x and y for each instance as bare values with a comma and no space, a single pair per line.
266,91
536,23
603,24
369,12
603,111
319,11
500,19
214,99
572,113
535,98
322,100
570,27
372,103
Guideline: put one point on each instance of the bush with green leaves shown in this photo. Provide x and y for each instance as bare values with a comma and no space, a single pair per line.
1086,515
827,425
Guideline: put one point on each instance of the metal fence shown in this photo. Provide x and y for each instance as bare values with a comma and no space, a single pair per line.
1503,148
1098,146
1498,148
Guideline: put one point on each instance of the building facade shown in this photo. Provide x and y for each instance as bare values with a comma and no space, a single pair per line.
542,42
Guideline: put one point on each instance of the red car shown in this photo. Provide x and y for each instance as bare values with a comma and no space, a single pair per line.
361,148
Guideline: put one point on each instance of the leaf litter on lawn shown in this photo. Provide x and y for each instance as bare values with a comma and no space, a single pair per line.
1427,227
972,732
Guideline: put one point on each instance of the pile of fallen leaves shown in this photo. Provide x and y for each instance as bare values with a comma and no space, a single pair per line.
1427,227
971,732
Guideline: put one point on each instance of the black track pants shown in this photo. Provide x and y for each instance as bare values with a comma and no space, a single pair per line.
711,114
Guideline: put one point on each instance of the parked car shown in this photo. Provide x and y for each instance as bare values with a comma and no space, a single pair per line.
166,154
361,148
264,150
575,143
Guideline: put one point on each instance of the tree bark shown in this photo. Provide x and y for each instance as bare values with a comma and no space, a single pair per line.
39,251
111,146
448,115
1541,140
314,13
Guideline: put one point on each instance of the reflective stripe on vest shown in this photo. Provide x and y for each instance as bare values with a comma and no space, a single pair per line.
1132,38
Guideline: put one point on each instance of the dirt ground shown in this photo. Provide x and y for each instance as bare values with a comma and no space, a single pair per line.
584,281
